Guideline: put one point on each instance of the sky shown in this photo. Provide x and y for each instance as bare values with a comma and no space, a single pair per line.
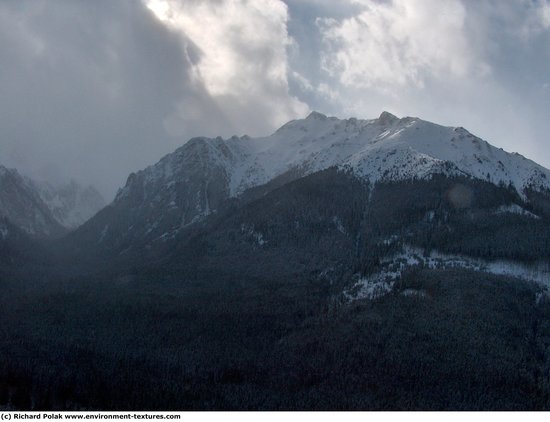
94,90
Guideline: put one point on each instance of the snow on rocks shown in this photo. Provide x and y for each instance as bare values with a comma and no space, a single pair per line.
393,266
4,232
515,209
386,148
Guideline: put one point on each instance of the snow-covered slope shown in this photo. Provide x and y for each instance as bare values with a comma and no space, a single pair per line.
392,267
71,205
180,189
387,148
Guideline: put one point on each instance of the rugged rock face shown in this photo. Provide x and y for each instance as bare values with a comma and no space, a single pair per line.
181,188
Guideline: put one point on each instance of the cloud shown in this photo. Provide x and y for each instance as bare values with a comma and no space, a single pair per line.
545,15
541,16
399,43
85,87
241,55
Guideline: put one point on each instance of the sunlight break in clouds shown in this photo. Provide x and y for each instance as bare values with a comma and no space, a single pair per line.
238,49
398,43
544,12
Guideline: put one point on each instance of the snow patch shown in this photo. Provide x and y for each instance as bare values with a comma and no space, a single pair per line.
338,223
542,295
378,284
103,233
415,293
4,232
248,230
372,287
515,209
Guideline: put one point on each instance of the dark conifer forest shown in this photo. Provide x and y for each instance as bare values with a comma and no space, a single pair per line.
218,320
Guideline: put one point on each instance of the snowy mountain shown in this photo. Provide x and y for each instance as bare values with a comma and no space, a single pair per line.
197,179
71,204
387,148
21,204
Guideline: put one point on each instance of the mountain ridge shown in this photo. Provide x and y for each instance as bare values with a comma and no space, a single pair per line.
197,178
364,146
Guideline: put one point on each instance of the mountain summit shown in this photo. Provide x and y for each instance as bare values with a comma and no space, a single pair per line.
387,148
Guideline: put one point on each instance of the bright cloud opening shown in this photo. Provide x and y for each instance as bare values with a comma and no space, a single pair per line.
398,43
238,49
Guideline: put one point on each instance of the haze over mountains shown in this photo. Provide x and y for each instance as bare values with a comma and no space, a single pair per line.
43,210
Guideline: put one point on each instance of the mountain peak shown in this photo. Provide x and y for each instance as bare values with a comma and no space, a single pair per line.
315,115
386,118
